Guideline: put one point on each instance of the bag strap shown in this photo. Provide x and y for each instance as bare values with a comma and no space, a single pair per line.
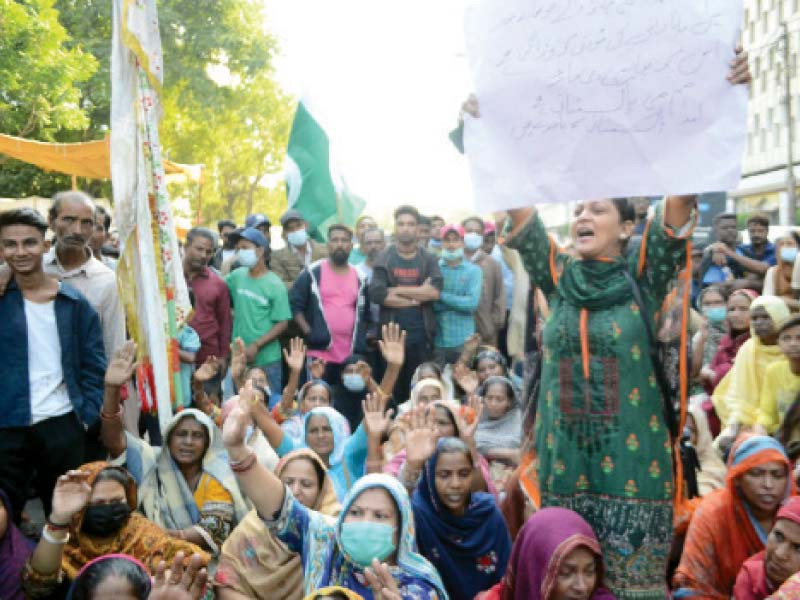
658,367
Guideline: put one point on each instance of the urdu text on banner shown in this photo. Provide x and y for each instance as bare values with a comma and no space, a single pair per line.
583,99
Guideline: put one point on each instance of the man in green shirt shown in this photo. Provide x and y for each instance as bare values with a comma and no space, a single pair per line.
261,309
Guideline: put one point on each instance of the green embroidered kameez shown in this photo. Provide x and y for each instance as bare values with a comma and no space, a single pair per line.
601,443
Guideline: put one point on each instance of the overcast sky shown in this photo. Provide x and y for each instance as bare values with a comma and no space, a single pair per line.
387,79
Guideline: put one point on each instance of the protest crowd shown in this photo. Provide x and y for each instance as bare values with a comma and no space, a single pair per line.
447,410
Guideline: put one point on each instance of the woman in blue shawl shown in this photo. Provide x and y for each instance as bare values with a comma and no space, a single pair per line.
461,532
327,433
374,533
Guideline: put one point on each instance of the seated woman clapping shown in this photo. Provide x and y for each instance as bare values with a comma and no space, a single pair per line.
373,536
93,515
253,562
186,486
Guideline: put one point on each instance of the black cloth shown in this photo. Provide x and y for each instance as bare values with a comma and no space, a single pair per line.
39,453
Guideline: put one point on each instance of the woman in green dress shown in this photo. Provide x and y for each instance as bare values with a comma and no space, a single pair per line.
601,446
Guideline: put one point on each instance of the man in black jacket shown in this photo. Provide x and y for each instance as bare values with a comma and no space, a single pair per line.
329,305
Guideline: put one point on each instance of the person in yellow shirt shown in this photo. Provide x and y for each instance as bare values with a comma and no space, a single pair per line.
781,382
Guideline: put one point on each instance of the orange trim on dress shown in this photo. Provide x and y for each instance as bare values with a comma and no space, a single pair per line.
584,328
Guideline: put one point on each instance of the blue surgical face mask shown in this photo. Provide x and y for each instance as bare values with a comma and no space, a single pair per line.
353,382
366,540
434,243
473,241
297,238
247,257
716,314
453,254
788,254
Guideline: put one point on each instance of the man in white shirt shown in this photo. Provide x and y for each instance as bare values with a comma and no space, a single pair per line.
52,370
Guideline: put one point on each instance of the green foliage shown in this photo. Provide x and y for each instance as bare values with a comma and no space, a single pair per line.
40,94
221,106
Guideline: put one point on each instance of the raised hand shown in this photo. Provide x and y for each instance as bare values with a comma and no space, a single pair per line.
421,439
238,359
383,585
207,370
317,368
70,496
376,419
469,107
122,365
465,377
467,430
393,344
471,344
740,69
179,582
296,357
235,426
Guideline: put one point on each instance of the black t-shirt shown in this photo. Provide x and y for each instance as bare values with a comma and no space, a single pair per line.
407,272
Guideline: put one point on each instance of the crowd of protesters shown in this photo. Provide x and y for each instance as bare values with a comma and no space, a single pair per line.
447,410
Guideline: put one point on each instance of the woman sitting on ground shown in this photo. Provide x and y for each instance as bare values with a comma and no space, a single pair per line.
253,562
15,549
556,557
125,578
764,573
94,514
460,531
731,524
371,548
738,332
185,486
736,398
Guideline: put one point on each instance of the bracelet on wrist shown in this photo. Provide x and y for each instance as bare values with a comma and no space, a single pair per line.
54,526
58,538
243,465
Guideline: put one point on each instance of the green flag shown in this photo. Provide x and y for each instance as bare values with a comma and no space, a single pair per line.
312,185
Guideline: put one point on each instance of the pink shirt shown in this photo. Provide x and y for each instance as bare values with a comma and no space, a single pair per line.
339,300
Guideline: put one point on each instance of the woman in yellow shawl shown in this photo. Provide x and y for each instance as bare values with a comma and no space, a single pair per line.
254,563
93,515
736,398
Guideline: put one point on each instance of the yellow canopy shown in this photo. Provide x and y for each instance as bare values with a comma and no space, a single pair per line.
83,159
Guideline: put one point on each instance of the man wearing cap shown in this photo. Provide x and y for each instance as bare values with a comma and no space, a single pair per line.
300,250
460,296
762,574
260,305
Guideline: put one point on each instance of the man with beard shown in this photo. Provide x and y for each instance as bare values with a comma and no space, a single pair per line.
212,305
406,282
329,305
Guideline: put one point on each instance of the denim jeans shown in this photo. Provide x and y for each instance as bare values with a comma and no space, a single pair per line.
274,373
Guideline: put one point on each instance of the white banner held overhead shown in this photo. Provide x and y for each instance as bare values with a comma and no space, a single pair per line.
585,99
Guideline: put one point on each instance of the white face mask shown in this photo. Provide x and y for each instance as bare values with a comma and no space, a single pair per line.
473,241
297,238
247,257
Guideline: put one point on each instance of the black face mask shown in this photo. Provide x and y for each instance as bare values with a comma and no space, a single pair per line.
104,520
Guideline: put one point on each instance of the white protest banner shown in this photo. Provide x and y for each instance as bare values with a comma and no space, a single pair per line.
584,99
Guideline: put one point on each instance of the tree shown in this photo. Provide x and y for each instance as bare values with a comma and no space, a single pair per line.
236,124
40,94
